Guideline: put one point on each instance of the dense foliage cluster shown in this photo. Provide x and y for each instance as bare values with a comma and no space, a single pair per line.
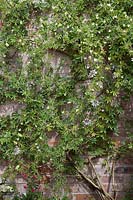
82,108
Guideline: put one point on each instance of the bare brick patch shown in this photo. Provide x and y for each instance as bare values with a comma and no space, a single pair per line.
10,108
83,197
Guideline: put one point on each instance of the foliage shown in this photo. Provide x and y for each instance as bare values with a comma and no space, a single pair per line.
35,196
29,196
82,108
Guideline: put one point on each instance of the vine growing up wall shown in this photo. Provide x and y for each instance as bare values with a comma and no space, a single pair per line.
63,116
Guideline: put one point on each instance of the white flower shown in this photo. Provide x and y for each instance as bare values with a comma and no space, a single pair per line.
96,15
94,103
95,59
7,45
115,17
16,150
92,73
87,122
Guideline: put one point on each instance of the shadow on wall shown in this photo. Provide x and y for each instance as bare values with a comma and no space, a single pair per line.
129,192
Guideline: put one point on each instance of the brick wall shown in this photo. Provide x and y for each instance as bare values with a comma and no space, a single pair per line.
123,171
123,176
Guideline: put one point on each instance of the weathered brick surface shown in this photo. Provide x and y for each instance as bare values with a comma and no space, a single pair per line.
83,197
2,169
120,178
125,161
21,185
123,172
10,108
59,61
78,186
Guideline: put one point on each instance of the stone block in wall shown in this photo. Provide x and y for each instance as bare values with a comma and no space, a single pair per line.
21,185
59,62
8,109
25,61
2,169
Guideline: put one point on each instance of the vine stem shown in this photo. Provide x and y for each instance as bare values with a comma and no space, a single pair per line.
102,193
100,190
113,179
98,180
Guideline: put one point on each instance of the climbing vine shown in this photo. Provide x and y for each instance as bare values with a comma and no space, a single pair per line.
79,110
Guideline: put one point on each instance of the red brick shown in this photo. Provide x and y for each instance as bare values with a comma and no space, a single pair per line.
124,170
120,195
105,186
104,179
127,160
84,197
